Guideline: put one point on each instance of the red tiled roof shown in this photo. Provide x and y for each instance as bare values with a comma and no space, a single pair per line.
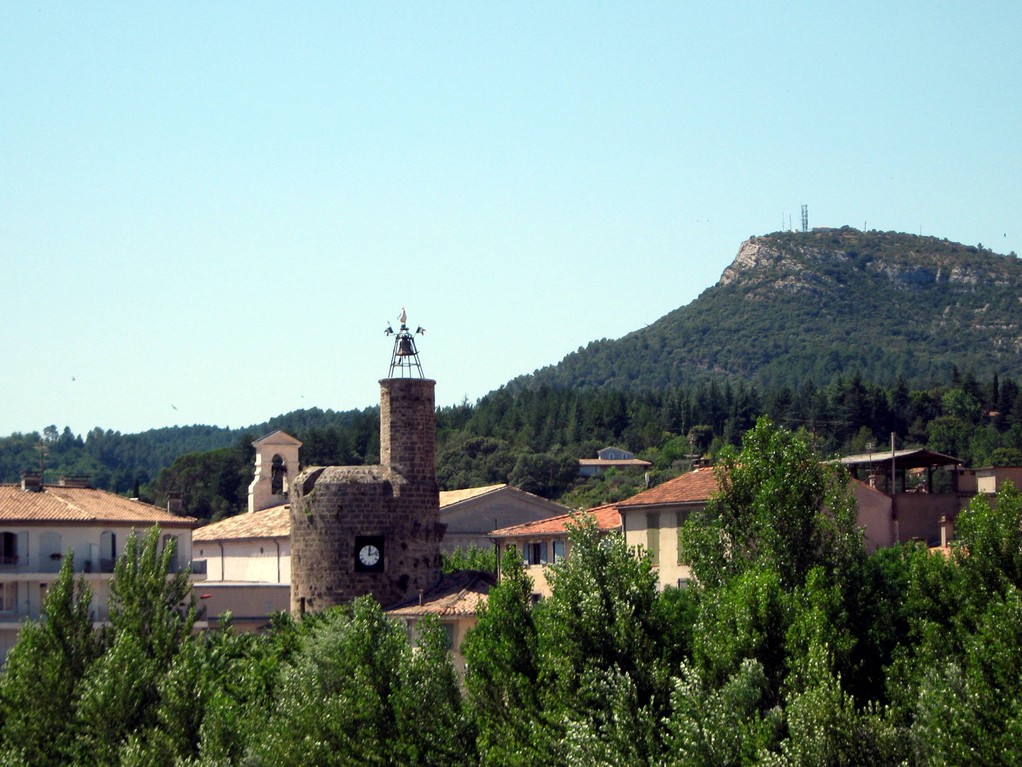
694,487
274,522
458,593
81,505
607,518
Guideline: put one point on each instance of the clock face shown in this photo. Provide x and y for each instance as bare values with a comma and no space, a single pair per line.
368,555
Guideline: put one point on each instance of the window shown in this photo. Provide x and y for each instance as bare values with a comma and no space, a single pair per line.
8,597
653,536
559,552
8,548
107,551
537,553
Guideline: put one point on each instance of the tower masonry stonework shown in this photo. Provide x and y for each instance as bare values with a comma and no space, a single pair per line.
376,530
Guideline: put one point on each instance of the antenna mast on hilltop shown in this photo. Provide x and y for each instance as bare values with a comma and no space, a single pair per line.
805,218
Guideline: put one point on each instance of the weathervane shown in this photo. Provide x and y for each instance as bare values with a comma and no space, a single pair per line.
405,359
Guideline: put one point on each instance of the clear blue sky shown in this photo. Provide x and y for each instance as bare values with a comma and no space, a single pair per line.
218,207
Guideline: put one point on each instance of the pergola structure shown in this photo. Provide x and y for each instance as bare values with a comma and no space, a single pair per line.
897,464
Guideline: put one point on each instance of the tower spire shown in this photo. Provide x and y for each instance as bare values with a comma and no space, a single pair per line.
404,361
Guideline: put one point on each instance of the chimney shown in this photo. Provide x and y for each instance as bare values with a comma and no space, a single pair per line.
80,480
32,481
174,503
947,531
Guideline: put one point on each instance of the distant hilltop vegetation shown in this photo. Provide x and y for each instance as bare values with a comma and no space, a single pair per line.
798,307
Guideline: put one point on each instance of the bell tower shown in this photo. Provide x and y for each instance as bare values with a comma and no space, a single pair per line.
405,359
375,530
276,466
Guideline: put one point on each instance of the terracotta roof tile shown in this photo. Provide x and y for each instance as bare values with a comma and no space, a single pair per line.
694,487
458,593
274,522
82,505
607,518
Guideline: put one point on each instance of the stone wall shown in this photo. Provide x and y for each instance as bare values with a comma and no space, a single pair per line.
396,503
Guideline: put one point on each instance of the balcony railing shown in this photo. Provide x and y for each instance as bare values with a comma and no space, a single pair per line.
52,564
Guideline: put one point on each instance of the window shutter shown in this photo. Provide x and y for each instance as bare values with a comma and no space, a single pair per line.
22,549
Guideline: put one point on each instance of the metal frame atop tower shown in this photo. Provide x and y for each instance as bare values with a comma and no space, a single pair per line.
805,218
405,357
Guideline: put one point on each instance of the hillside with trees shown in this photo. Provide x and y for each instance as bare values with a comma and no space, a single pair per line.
849,335
798,307
534,438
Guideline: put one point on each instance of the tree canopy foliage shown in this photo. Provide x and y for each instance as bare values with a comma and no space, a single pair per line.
773,656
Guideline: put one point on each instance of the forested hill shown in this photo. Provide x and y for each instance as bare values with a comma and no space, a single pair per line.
799,307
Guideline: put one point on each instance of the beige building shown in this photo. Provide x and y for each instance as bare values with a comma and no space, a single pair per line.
988,479
248,547
545,542
471,515
248,557
652,519
40,524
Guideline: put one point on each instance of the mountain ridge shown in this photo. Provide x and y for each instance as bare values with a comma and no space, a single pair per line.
795,307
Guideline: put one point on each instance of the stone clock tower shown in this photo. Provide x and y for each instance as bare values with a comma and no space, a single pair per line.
376,530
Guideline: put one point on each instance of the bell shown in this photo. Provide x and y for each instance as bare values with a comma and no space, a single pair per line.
405,348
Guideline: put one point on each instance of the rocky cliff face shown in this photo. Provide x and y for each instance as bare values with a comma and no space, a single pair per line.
799,262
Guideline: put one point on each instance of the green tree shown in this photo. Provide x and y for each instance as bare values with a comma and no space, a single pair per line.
988,542
152,613
970,708
778,506
600,641
355,693
39,687
433,730
726,725
502,677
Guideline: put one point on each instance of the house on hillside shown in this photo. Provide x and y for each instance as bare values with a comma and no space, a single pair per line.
546,542
610,458
40,524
